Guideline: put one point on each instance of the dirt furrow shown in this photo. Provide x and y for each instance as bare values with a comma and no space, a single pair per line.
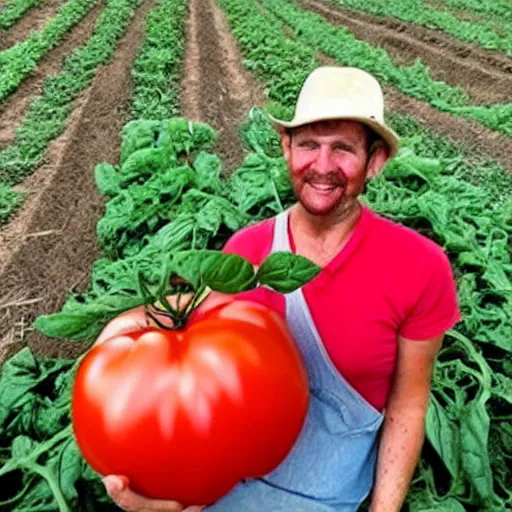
16,105
453,63
216,89
32,20
467,51
59,246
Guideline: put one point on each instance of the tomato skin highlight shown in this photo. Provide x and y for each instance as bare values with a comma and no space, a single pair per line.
187,414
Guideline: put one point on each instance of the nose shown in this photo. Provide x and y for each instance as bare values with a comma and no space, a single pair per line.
324,160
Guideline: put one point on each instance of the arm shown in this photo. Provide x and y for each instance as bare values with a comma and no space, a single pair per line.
404,423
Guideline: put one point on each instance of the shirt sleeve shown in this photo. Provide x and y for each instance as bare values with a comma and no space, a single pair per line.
435,309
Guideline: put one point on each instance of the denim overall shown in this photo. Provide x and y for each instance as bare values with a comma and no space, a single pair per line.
331,466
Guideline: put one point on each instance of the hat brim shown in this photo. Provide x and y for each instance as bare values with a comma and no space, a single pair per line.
388,135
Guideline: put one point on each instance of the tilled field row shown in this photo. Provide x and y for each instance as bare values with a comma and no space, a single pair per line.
486,76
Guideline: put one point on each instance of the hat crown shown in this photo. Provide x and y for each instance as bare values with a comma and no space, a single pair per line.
343,93
349,92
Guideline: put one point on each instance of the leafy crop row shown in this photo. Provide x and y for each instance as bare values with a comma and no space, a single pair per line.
158,66
47,115
9,202
414,80
17,62
14,10
416,11
499,9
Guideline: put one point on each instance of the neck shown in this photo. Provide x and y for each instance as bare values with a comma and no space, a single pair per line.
321,237
316,226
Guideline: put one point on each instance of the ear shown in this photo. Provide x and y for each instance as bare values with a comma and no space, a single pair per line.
286,144
377,161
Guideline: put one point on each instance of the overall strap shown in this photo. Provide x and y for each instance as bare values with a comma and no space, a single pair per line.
281,241
321,370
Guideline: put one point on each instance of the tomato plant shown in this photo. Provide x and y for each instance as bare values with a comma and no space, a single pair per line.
187,413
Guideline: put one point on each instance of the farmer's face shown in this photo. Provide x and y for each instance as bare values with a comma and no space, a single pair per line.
328,164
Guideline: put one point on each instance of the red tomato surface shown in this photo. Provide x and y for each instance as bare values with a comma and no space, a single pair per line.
187,414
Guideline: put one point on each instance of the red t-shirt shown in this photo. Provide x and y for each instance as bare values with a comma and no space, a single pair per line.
388,280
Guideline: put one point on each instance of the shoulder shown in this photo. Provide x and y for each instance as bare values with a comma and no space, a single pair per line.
252,242
419,273
406,246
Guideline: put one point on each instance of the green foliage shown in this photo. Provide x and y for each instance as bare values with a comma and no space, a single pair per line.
230,273
22,58
37,443
158,66
147,189
498,10
47,115
285,271
14,10
282,63
10,201
417,11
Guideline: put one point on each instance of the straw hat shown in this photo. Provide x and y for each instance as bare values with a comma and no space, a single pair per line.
342,93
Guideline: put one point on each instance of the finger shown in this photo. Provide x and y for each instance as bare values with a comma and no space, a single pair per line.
117,489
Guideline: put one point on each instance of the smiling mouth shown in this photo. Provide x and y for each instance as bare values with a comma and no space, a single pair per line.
323,187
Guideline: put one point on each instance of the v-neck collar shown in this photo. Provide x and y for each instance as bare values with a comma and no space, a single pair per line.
360,229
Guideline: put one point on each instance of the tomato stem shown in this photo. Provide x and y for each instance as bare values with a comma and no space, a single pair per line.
157,304
155,319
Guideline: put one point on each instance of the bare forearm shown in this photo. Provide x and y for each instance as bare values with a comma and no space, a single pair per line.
399,451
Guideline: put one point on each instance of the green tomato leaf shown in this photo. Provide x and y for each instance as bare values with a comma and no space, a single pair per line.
22,446
230,274
285,272
474,432
226,273
444,436
69,467
85,321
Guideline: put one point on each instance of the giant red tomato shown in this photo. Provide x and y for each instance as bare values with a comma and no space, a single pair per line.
187,414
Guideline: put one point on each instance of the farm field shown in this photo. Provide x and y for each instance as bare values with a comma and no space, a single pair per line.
130,129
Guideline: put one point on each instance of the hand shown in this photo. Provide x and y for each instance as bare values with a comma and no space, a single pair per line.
117,488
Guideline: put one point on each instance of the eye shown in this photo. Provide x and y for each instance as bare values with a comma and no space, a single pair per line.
307,144
342,147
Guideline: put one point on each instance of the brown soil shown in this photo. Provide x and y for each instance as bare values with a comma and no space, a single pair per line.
15,106
493,59
215,88
487,80
50,266
32,20
478,139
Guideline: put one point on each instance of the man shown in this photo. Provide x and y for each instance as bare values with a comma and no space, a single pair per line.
369,325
